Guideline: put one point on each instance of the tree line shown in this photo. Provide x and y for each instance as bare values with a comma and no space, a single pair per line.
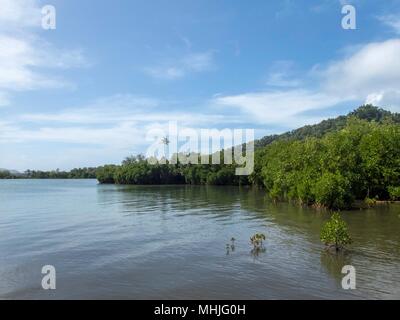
77,173
332,164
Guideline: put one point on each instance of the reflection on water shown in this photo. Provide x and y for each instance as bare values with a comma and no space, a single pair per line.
334,262
230,247
182,242
255,252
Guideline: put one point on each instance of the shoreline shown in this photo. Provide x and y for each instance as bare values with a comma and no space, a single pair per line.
357,205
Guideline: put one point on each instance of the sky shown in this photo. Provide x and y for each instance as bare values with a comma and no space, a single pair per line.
87,92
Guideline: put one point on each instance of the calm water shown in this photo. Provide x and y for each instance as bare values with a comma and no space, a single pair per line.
165,242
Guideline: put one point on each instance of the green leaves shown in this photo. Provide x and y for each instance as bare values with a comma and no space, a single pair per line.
361,160
334,233
257,240
106,174
394,193
328,165
333,190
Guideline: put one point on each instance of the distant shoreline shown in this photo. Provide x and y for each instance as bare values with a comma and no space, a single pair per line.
358,204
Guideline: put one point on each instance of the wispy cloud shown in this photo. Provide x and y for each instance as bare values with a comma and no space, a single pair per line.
26,58
22,59
179,68
281,75
370,74
4,101
119,121
373,69
17,14
392,21
282,107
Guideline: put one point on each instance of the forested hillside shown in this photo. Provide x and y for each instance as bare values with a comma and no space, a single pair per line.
367,112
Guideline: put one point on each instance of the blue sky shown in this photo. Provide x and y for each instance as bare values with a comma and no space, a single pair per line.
87,92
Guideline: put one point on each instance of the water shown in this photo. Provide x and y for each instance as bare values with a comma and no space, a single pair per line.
169,242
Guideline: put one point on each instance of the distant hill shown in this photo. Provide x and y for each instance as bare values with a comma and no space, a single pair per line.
13,172
366,112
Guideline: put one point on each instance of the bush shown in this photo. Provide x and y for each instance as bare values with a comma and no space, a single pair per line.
106,174
5,174
394,193
333,191
370,202
334,233
257,240
258,245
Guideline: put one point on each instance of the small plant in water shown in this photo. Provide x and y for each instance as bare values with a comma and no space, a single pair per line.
334,233
230,247
233,244
258,245
370,202
257,240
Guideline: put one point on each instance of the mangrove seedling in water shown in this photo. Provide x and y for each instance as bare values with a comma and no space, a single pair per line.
230,247
257,240
233,244
258,245
334,233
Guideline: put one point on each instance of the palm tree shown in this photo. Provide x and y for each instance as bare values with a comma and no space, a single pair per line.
165,141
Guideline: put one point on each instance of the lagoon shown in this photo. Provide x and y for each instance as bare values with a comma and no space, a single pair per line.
169,242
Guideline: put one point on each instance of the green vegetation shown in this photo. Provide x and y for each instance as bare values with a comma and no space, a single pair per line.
360,161
334,233
5,174
78,173
137,170
394,193
330,164
370,202
257,240
105,174
258,246
367,112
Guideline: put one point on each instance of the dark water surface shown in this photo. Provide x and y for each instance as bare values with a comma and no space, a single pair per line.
169,242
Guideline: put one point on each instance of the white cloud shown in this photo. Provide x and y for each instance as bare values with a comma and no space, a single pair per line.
374,70
388,99
119,121
119,135
16,14
179,68
280,79
369,74
324,5
20,60
122,108
198,62
25,58
279,107
168,73
4,101
282,75
392,21
376,66
92,117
